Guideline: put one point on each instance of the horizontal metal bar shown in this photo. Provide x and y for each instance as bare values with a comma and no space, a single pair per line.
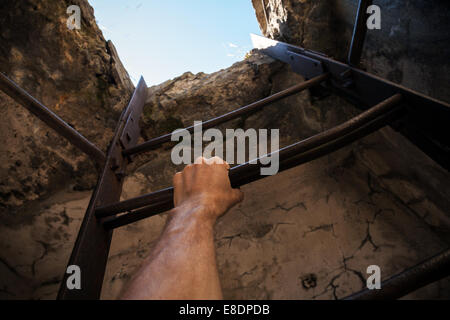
303,151
152,143
51,119
399,285
139,214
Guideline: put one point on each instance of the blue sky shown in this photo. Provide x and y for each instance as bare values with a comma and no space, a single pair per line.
161,39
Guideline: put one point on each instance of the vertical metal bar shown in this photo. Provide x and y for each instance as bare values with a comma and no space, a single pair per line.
91,249
241,170
399,285
51,119
359,33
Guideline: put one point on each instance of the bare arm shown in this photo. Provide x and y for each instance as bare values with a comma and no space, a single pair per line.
183,264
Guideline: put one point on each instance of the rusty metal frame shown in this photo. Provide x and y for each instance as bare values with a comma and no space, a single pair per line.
359,33
421,119
426,272
295,154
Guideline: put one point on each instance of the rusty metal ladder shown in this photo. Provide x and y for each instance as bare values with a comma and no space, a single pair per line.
421,119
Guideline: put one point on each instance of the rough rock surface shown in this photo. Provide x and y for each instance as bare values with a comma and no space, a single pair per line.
306,233
411,48
75,73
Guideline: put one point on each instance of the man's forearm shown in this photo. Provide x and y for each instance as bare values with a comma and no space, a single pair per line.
183,264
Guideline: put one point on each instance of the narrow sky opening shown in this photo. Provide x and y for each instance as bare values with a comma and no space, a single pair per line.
163,39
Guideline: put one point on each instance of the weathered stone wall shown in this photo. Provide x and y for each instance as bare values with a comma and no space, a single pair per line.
309,232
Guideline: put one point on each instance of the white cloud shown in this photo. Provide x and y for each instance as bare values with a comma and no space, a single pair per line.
232,45
230,55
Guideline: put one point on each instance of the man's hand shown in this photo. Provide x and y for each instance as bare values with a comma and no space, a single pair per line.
182,265
206,187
